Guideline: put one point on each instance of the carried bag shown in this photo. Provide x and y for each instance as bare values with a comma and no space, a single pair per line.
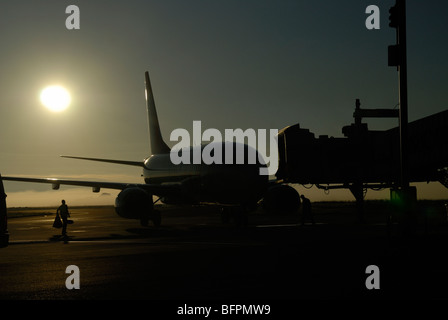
57,222
69,221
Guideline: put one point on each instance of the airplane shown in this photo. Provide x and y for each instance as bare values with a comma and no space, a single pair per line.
229,185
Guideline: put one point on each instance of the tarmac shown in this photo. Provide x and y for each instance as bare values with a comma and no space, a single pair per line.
194,256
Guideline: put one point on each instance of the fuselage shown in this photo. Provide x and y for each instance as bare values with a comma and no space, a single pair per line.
225,182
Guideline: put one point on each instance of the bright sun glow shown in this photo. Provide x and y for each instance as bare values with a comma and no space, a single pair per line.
55,98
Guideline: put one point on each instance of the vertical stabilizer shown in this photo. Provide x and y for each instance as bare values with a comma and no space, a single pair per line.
155,136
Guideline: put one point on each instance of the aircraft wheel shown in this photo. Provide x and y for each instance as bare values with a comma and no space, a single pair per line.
225,215
144,221
241,218
157,218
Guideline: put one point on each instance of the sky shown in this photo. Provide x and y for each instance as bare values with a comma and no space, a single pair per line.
230,64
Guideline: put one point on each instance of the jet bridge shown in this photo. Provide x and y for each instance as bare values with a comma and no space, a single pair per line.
364,158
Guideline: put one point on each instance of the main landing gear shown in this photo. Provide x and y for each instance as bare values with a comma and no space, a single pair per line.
239,215
151,214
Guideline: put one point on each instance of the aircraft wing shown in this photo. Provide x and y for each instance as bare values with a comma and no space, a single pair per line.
159,189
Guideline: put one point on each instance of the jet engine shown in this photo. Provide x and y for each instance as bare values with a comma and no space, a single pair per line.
281,199
136,203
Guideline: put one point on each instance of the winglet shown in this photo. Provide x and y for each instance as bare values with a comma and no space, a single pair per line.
155,136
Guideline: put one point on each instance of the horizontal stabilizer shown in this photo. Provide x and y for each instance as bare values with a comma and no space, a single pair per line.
125,162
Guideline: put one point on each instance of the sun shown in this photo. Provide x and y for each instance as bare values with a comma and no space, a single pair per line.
55,98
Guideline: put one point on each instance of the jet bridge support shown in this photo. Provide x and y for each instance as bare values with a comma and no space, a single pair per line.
357,190
358,133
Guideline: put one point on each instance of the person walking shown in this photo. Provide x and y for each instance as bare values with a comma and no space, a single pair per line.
64,214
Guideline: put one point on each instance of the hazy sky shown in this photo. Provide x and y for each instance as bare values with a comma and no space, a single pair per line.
231,64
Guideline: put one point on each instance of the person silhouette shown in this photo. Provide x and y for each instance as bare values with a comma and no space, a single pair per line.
64,214
306,210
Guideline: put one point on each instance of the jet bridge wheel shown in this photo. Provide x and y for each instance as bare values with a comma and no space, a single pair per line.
156,218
